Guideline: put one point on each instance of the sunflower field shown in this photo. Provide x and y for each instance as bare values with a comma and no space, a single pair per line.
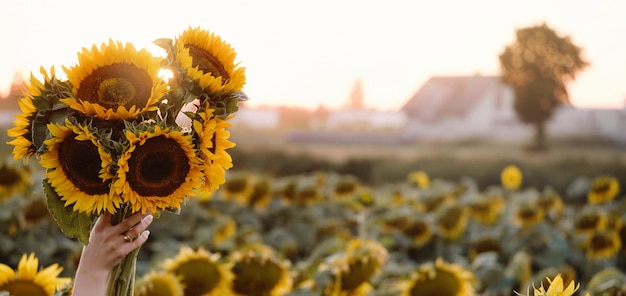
329,233
113,136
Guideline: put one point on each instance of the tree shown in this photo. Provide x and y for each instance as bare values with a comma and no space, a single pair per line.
538,65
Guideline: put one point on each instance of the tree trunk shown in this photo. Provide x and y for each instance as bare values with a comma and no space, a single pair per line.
540,136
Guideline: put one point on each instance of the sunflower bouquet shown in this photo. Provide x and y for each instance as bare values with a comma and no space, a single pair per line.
116,135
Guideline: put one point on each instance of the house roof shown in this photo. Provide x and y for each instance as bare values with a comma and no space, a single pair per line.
449,96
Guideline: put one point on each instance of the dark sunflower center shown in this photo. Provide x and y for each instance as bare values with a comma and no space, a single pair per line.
601,242
207,63
116,91
450,218
36,211
345,187
158,167
199,276
23,287
255,278
358,273
527,214
588,222
81,164
117,85
417,229
236,185
9,176
486,246
444,283
601,187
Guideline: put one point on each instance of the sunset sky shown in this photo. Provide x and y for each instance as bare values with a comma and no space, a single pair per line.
310,53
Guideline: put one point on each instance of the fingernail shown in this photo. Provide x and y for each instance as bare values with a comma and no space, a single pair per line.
147,233
149,218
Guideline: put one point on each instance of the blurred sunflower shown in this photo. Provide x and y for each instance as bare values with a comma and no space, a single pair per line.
302,191
511,177
158,170
160,283
486,209
602,244
609,281
115,81
261,191
440,279
451,221
527,213
420,178
345,186
27,280
603,189
209,60
238,188
225,229
434,201
552,204
354,267
13,179
35,212
588,220
486,243
201,272
420,231
258,271
23,124
78,168
212,137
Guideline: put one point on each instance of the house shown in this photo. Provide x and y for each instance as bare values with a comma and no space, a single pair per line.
464,107
458,107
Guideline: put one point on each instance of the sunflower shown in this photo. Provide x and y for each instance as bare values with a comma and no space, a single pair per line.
440,278
528,213
225,229
158,170
420,231
603,189
28,281
160,283
420,178
486,209
552,204
115,82
352,269
259,271
484,244
12,180
302,190
209,60
35,212
608,281
451,221
202,273
588,220
261,191
78,168
603,244
238,188
211,135
511,177
346,186
22,126
556,288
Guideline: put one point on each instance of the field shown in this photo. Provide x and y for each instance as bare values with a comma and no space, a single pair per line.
323,218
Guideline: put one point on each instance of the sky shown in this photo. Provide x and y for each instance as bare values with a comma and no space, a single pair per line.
311,53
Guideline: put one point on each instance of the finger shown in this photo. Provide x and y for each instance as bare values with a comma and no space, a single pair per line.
128,223
127,247
103,221
134,231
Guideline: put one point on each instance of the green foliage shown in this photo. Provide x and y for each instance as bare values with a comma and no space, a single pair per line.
73,224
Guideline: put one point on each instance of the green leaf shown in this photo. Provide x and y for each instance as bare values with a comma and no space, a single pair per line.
73,224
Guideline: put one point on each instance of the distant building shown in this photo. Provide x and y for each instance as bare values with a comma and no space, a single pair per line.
256,118
458,107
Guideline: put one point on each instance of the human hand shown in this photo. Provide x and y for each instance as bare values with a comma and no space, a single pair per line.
108,244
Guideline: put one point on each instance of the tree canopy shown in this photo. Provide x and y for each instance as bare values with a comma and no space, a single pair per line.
538,65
